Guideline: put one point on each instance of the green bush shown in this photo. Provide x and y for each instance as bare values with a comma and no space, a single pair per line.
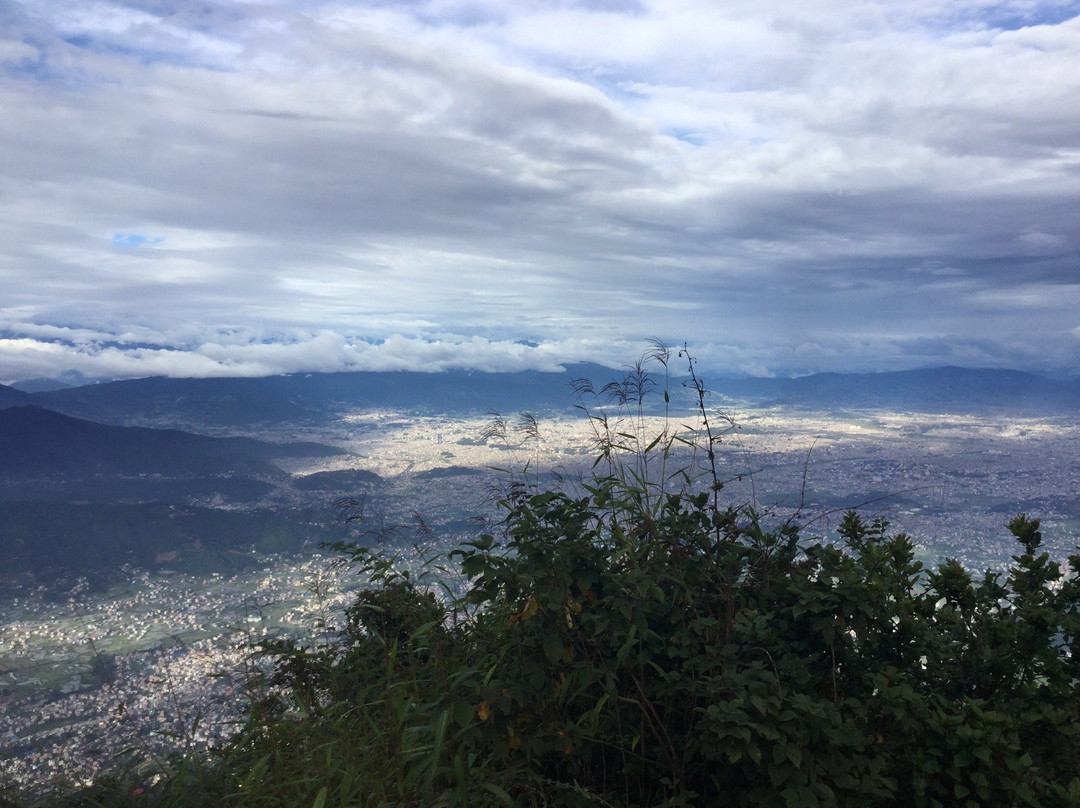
604,654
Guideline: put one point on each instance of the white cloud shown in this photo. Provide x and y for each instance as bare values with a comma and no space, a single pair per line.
52,351
750,177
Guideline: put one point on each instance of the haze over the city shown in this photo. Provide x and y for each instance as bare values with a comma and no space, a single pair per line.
248,188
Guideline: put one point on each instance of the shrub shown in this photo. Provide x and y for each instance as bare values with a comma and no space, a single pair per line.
630,644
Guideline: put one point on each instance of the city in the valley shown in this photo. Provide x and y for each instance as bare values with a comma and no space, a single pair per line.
155,656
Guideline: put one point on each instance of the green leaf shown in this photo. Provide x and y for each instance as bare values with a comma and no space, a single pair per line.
499,792
794,754
553,647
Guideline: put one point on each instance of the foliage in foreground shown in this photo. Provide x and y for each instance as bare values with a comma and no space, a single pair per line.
630,646
606,655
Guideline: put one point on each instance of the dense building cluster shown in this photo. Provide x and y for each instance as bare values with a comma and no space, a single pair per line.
162,662
952,482
185,698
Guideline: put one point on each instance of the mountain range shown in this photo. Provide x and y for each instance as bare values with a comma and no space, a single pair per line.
944,389
305,398
319,398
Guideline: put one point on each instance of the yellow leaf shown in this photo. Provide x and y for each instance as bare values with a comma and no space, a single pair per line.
531,608
483,711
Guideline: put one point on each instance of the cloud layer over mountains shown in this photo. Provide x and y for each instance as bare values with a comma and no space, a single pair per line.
227,188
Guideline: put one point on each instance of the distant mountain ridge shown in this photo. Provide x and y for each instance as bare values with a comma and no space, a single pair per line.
927,390
311,397
41,385
318,398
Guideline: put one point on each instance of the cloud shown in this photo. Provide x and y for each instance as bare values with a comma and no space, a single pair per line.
53,351
847,178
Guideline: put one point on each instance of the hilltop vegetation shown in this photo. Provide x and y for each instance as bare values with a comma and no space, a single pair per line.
632,643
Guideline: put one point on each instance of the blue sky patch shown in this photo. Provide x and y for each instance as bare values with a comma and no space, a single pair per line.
1007,17
133,240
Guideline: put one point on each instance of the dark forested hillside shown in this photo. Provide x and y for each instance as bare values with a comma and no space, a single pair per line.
346,480
10,397
85,496
86,538
36,442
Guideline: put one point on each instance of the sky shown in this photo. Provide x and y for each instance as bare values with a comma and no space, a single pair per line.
216,187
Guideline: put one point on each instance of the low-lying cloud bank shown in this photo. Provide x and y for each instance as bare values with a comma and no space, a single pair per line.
232,354
54,352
